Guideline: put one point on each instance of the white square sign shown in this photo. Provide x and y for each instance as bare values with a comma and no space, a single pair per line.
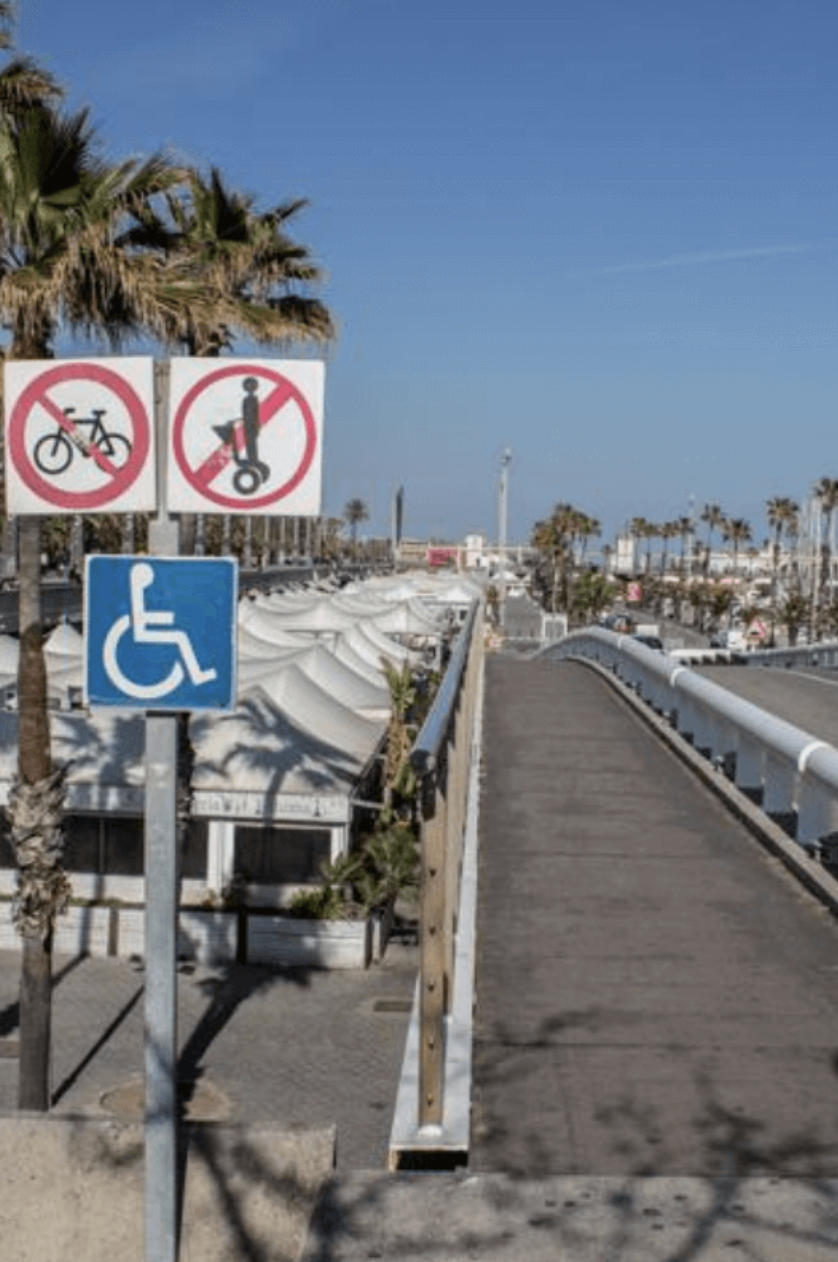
245,436
79,435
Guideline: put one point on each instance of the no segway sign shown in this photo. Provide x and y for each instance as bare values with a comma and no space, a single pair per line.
80,435
245,436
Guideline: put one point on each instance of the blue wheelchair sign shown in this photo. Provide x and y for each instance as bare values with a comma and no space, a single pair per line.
160,632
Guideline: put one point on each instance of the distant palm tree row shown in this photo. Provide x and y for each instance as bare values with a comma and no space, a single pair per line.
557,541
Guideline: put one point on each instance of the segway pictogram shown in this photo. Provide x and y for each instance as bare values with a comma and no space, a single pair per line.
251,471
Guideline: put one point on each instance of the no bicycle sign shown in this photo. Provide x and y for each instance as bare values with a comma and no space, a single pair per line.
80,435
245,436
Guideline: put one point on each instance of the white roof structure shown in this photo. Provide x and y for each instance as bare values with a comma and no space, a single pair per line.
64,641
312,712
351,688
406,619
106,753
289,750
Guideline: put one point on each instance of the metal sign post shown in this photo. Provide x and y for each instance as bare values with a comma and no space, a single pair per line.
161,863
160,637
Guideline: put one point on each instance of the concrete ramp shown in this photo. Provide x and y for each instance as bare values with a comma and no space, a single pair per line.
73,1188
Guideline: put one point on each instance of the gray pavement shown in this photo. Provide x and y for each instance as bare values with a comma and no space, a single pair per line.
654,996
807,698
295,1050
656,1030
656,1034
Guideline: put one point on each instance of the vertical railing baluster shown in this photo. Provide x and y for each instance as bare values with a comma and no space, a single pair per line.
432,950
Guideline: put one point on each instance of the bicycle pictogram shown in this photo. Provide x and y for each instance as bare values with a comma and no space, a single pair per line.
151,627
53,453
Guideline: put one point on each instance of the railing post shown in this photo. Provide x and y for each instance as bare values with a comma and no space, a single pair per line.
432,947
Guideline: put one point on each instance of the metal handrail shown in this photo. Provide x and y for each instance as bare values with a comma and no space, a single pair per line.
792,767
432,734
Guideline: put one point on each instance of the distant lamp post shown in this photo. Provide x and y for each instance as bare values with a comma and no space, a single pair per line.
503,495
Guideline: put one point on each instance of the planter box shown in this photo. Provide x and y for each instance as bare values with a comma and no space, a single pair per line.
210,937
285,941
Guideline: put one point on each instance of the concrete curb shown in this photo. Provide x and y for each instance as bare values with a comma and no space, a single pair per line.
769,834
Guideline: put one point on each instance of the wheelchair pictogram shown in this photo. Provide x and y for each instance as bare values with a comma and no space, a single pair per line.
151,627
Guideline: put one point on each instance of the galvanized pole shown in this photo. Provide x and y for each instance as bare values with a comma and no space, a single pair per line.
161,864
502,515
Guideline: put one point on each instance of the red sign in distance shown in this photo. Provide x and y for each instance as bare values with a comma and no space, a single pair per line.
201,475
35,394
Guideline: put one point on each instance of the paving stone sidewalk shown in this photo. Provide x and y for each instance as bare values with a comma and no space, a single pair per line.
292,1049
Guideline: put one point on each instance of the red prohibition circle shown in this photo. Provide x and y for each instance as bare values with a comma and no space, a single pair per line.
34,393
244,370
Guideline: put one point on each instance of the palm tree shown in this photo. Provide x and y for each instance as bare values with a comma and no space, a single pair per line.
259,275
826,491
667,530
685,528
780,511
713,515
355,512
641,528
737,531
62,263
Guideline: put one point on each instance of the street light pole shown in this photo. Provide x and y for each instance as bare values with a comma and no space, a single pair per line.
503,495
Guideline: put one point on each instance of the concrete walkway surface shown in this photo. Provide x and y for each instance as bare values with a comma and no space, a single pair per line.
495,1218
656,1028
655,994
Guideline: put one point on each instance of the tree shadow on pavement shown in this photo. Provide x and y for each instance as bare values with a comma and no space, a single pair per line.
10,1015
227,989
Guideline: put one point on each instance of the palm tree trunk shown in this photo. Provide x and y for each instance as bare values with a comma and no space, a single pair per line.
188,528
35,765
76,545
128,534
9,548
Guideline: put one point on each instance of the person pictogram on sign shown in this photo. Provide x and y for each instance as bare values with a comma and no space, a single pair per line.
251,471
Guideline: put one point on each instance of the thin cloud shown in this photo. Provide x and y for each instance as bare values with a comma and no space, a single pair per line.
710,256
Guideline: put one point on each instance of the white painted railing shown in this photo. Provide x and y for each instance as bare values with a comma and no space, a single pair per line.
792,774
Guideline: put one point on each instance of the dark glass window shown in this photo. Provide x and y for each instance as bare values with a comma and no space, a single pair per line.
123,847
82,843
281,856
7,854
193,861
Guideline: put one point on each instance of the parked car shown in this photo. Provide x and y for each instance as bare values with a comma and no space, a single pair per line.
651,641
733,639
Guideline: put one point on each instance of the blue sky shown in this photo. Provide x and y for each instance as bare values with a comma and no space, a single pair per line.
601,233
